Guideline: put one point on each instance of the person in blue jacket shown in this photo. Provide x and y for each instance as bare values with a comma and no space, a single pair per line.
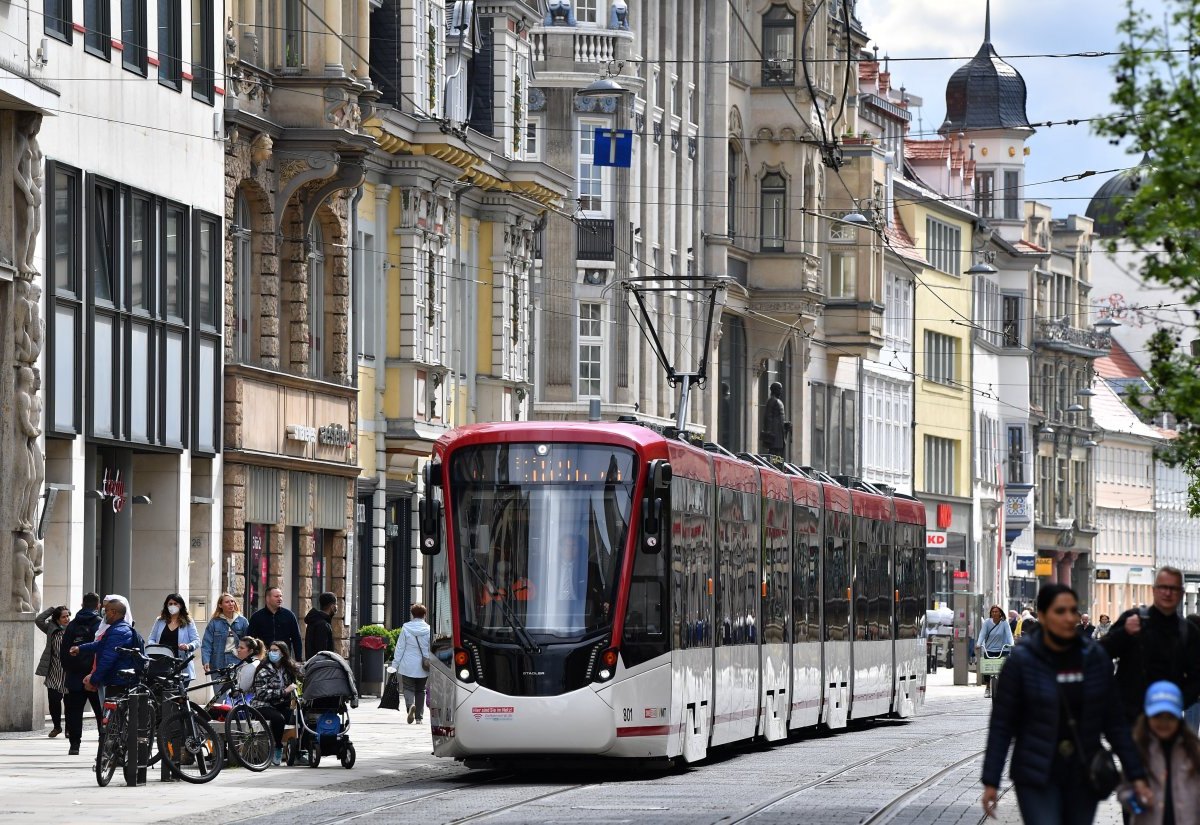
995,639
225,629
110,661
1052,679
175,629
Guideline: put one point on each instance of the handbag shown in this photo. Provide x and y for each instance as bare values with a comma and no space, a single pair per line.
1101,770
391,694
424,659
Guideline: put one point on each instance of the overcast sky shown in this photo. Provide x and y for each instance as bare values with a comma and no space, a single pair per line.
1059,89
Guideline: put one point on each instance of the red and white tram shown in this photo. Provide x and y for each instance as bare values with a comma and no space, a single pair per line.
601,589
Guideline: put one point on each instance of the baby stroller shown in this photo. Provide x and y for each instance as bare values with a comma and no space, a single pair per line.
327,692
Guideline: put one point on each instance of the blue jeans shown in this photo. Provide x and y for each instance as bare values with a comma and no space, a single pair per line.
1070,803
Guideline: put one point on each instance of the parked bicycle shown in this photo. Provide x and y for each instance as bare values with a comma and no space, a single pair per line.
248,739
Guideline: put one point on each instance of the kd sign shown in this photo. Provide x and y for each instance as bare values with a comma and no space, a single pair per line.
935,541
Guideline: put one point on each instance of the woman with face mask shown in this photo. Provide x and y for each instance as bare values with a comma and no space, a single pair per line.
274,686
1059,696
175,629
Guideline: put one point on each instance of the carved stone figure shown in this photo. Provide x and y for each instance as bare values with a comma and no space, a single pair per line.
27,322
22,573
28,180
774,432
29,466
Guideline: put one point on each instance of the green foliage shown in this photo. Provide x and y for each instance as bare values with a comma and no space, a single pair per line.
1158,94
383,633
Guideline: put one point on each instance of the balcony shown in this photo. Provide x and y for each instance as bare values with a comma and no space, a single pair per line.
594,240
1056,335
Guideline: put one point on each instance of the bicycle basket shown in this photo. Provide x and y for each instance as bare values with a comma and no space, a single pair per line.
991,665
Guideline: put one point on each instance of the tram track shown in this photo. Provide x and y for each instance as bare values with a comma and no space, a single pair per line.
763,807
413,800
892,809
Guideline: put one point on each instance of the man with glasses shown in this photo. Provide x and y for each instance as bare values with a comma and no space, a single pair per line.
1155,643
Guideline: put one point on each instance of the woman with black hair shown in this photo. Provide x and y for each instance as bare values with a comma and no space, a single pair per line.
274,686
1059,696
175,629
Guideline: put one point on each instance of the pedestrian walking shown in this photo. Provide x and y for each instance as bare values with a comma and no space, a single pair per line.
1171,754
53,622
1102,627
411,661
109,660
318,625
275,683
1059,696
275,623
175,629
1027,623
1154,644
80,631
1086,629
1013,619
995,641
225,629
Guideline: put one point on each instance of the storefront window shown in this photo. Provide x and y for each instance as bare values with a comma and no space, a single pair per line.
258,553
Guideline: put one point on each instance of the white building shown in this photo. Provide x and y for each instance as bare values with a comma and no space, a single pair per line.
1177,534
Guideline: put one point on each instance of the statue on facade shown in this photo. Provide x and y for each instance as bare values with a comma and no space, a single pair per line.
28,329
775,430
24,592
28,181
29,466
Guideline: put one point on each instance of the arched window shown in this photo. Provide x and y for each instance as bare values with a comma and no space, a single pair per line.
316,302
1064,391
773,211
732,384
245,340
779,47
732,206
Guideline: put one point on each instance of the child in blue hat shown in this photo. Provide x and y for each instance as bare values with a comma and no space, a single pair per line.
1171,753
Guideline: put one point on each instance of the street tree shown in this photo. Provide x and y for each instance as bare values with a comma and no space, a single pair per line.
1157,95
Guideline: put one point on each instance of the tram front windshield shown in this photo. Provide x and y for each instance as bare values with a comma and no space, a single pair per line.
539,532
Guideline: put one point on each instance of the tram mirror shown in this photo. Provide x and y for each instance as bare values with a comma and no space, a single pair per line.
431,474
660,476
429,512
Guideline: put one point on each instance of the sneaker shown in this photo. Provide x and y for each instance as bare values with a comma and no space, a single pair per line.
419,720
277,757
74,751
56,732
412,714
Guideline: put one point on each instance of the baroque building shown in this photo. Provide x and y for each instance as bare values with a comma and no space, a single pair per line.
444,248
298,88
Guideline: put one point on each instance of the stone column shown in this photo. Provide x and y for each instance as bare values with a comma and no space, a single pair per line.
22,463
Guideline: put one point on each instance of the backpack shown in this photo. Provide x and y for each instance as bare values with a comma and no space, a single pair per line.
81,664
137,641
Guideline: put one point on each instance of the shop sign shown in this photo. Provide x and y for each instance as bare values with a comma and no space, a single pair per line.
334,435
1026,562
962,575
113,488
1044,567
299,432
1103,574
935,540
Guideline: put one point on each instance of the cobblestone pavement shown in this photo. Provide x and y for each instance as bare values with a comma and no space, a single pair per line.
904,773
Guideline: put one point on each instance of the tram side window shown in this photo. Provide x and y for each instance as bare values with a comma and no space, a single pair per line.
691,561
884,581
862,579
437,590
646,615
775,561
806,589
837,576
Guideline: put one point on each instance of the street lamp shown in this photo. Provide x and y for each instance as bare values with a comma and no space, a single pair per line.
1106,324
1086,392
982,268
1046,429
602,87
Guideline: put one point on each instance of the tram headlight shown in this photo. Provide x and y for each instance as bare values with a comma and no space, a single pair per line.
462,665
605,674
608,665
465,675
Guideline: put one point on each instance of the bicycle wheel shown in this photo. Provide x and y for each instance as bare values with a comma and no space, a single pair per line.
248,738
190,748
111,748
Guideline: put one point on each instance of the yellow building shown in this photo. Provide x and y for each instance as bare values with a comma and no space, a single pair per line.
942,364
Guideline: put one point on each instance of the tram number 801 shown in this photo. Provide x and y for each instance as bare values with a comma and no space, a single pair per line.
627,714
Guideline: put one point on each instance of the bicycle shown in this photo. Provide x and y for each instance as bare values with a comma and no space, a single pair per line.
190,747
112,750
247,733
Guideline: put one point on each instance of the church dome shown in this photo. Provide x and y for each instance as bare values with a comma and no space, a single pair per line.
1106,204
986,93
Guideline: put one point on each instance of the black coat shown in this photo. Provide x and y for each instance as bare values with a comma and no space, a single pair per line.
318,633
1026,708
1166,648
81,630
280,626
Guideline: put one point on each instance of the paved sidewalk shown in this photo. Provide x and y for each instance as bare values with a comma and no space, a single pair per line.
39,782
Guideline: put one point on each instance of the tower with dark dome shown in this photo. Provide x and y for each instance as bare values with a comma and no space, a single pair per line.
985,112
1106,204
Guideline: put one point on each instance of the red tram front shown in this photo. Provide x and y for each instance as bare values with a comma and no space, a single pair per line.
600,589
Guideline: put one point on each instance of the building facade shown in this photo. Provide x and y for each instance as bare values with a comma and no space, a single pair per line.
298,87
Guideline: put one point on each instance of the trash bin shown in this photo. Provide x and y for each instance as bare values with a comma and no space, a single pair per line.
371,651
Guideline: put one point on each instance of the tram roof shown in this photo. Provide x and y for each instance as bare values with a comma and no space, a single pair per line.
585,432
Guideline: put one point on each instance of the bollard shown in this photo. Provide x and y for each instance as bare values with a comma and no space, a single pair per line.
139,728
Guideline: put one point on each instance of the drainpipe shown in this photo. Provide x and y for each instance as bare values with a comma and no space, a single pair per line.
352,569
379,271
472,336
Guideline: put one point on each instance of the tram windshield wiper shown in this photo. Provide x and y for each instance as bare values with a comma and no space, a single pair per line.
527,642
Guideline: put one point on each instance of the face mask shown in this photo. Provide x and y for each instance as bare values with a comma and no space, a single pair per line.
173,609
275,656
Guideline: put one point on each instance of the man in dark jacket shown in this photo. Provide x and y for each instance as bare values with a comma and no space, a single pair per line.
1155,644
81,630
275,623
318,626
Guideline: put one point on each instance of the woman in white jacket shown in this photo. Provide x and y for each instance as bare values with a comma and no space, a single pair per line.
412,662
